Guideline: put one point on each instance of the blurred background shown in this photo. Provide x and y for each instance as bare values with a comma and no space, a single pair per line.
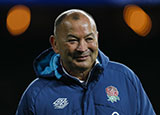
128,33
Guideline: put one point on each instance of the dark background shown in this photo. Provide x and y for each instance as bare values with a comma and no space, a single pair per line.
116,40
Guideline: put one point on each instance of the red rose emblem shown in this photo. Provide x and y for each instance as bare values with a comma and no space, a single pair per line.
112,91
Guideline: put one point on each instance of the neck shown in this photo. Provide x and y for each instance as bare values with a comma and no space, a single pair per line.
81,74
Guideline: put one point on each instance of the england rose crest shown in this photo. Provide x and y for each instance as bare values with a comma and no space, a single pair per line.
112,94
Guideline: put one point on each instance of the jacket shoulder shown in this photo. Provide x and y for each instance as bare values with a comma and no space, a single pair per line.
27,101
124,71
35,87
119,67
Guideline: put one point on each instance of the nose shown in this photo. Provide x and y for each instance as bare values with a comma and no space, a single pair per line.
82,46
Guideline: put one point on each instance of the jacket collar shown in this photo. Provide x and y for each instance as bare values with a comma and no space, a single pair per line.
47,64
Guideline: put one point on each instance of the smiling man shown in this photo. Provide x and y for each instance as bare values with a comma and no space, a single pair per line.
76,41
76,78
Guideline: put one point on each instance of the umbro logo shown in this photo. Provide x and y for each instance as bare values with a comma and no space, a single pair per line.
115,113
60,103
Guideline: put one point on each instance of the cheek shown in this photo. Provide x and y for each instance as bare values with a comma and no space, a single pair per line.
70,47
94,46
94,49
67,49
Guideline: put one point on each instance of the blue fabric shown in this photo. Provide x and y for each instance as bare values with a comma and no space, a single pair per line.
112,89
53,66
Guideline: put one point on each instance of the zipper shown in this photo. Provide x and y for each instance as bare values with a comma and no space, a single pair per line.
90,73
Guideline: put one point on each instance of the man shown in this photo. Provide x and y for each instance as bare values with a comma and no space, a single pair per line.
76,78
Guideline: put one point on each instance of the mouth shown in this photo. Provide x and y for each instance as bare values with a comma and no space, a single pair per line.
82,58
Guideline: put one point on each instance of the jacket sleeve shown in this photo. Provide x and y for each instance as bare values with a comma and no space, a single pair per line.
144,105
26,105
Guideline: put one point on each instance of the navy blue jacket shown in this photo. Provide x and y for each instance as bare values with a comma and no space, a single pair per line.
112,89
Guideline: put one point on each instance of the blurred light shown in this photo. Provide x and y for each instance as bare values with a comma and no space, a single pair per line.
137,20
18,19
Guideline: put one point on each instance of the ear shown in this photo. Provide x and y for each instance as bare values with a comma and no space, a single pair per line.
53,43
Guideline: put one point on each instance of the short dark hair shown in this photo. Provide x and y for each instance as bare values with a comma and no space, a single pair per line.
76,16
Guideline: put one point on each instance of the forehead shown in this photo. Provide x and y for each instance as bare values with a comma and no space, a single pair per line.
81,22
77,20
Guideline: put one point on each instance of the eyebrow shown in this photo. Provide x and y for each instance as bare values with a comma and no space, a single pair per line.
88,35
71,35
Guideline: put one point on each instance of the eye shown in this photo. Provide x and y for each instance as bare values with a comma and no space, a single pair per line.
72,41
89,39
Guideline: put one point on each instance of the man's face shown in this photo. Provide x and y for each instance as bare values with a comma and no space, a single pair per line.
77,43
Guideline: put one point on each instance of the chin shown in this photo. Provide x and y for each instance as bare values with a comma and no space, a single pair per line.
83,66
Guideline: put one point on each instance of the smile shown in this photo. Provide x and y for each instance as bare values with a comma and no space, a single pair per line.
82,58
